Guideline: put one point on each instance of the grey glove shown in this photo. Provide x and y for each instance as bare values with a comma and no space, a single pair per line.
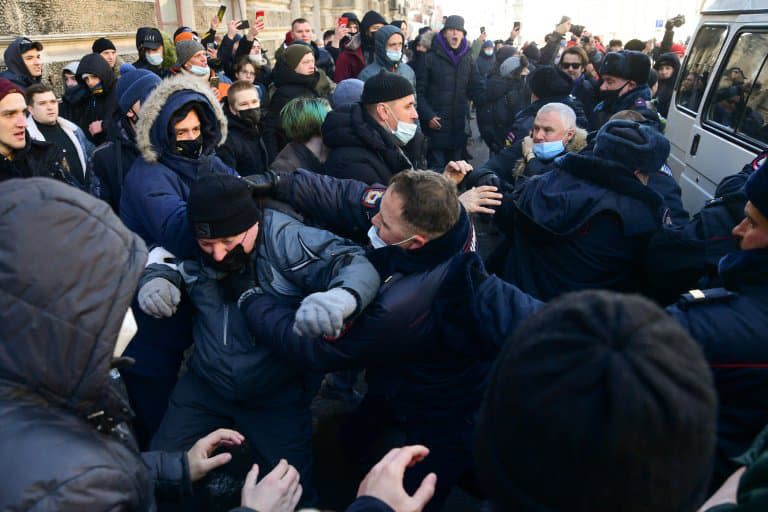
159,298
323,313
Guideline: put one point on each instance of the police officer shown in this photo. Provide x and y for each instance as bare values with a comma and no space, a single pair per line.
729,322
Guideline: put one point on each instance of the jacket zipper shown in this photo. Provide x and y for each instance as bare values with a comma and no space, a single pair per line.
226,323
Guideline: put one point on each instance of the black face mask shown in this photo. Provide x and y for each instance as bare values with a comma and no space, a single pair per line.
189,148
234,261
612,96
251,116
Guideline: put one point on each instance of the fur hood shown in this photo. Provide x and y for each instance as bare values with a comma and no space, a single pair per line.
173,93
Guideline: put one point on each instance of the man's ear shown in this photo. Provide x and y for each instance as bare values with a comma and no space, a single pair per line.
417,242
642,177
569,135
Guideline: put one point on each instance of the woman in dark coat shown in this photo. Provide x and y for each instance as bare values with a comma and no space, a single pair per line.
294,76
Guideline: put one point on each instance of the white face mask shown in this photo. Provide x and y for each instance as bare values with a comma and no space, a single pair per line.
488,51
128,330
394,56
155,58
403,132
200,70
378,243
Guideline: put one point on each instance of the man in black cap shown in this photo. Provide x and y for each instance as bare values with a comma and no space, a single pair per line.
106,49
24,63
625,87
149,44
447,81
232,381
373,140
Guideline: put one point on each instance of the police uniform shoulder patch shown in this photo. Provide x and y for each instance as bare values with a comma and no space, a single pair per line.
372,197
641,103
759,160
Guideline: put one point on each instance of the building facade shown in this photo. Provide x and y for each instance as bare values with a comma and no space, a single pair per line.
67,28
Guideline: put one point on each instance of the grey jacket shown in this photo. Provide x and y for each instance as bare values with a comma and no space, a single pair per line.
290,260
63,439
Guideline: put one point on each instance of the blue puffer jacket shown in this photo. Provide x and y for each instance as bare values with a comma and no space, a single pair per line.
291,260
154,199
154,205
583,225
730,324
416,363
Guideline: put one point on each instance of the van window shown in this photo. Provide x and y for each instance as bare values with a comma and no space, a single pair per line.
740,101
701,59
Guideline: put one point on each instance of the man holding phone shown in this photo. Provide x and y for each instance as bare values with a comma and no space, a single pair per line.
552,47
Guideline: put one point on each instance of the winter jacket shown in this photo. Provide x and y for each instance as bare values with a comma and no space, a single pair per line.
729,324
17,71
381,61
446,84
263,70
360,148
287,85
154,205
63,415
586,91
637,99
83,146
416,364
323,59
112,161
37,158
296,156
102,106
350,63
156,188
290,260
243,150
583,225
666,87
485,64
74,102
537,165
504,98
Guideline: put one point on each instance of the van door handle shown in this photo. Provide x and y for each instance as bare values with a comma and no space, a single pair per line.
695,144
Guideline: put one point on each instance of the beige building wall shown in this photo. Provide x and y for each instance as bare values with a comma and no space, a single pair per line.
67,28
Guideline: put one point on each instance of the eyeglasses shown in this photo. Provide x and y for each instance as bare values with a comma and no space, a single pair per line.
572,65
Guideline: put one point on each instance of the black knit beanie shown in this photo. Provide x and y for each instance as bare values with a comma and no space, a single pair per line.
600,401
102,44
548,82
385,86
221,205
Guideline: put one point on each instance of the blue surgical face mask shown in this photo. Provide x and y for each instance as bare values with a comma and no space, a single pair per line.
394,56
200,70
403,132
155,59
488,51
548,150
378,243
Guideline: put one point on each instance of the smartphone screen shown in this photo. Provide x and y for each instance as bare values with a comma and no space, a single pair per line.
214,81
516,25
244,24
343,21
221,11
260,15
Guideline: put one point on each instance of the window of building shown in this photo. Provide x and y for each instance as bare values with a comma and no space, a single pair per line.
739,102
698,67
168,15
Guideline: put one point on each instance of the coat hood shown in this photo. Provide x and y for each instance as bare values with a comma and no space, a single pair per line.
152,132
94,64
13,60
69,271
668,59
380,39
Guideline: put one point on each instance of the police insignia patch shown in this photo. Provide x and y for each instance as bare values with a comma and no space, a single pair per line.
759,160
372,196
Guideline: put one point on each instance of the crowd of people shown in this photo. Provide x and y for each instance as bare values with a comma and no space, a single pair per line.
199,243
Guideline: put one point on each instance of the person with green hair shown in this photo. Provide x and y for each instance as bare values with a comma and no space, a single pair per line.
302,120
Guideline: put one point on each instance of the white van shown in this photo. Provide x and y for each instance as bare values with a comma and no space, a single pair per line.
718,119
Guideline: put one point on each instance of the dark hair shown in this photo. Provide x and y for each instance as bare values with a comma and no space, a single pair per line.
242,62
239,85
579,52
298,21
328,33
36,89
430,201
302,118
615,42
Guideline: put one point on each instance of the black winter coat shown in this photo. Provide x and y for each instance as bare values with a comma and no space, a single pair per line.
504,98
111,162
37,159
63,437
360,148
444,90
103,106
244,151
296,156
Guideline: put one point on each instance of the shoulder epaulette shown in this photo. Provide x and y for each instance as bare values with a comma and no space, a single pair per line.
710,296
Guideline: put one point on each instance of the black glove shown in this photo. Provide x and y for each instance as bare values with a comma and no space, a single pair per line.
263,184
